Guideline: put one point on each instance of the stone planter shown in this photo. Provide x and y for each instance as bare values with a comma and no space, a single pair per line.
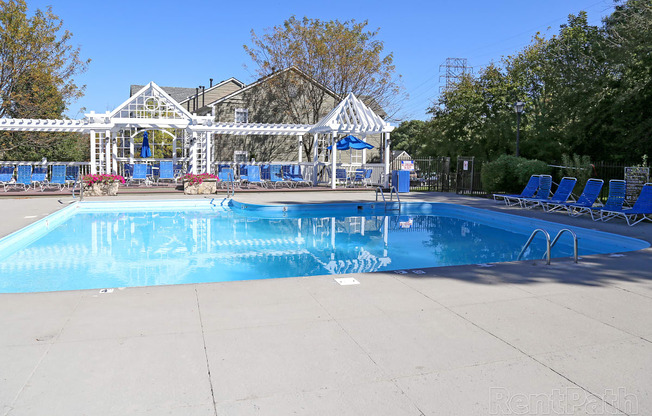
101,189
208,186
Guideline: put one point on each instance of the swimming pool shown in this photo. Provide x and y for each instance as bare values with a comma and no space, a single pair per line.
136,243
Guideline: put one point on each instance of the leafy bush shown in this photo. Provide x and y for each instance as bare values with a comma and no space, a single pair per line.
510,173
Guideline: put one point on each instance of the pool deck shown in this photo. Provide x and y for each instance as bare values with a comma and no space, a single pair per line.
510,338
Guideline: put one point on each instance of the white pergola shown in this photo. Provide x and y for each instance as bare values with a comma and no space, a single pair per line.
151,108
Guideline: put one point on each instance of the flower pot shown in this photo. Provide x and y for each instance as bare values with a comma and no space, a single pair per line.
101,189
207,186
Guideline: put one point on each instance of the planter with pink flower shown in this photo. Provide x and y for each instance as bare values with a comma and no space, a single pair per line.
102,185
200,184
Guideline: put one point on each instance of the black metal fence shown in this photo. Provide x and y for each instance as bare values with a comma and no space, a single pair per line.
464,176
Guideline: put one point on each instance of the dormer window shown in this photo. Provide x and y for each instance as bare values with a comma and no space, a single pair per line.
241,115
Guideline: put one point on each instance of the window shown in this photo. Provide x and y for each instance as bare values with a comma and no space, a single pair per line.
241,115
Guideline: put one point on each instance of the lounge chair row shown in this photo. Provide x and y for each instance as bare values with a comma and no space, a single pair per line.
263,175
537,193
28,176
143,173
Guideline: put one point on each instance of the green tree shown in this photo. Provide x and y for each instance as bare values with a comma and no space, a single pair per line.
343,56
37,70
409,136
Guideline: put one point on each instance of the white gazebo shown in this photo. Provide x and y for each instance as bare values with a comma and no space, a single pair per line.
112,133
352,116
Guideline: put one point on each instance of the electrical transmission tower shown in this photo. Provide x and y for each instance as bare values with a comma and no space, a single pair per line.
454,70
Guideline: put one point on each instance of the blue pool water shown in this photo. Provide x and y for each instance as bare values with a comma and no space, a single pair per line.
121,244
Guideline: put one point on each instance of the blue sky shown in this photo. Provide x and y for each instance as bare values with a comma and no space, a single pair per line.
184,43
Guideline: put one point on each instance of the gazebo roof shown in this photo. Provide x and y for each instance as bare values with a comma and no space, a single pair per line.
352,116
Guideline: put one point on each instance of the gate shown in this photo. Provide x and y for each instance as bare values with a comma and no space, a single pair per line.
468,176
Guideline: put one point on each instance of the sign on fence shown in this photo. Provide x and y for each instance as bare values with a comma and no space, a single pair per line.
635,177
407,165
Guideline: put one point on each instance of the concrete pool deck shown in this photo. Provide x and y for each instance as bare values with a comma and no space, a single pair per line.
513,338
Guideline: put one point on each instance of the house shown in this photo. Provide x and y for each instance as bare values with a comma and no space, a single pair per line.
286,96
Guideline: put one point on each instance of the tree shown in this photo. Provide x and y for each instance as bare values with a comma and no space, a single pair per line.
37,69
587,90
342,56
408,136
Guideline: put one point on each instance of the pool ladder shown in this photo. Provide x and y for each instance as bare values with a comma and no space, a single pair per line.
392,191
550,245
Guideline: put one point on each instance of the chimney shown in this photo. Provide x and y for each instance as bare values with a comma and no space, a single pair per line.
211,85
203,95
196,99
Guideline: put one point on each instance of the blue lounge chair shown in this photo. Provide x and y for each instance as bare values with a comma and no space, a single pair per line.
615,199
642,209
296,176
340,176
178,170
264,173
584,202
39,177
561,195
166,172
24,176
358,177
6,176
253,176
528,192
139,174
543,192
243,177
128,170
58,178
72,175
367,177
276,176
226,176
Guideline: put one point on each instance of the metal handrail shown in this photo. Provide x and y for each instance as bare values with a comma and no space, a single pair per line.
381,194
527,244
392,191
575,243
81,189
230,183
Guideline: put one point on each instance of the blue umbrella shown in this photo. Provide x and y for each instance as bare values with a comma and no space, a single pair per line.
351,142
145,151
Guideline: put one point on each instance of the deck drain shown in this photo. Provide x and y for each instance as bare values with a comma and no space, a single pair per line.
616,255
106,290
30,216
418,272
346,281
485,265
400,271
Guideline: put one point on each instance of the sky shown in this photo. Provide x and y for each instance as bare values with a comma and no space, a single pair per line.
184,43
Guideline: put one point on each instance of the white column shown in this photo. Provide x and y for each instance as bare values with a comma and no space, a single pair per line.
210,155
107,152
93,155
387,143
193,153
114,153
132,149
333,161
300,149
174,151
364,152
315,158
